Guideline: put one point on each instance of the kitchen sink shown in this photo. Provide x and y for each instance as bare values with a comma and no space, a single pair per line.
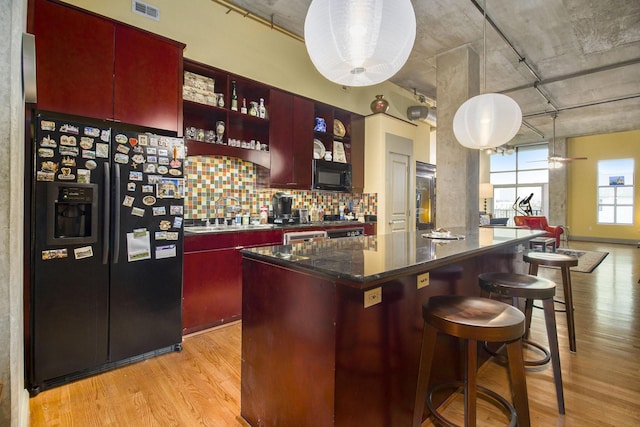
225,228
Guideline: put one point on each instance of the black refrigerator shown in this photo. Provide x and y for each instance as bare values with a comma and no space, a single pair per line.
106,244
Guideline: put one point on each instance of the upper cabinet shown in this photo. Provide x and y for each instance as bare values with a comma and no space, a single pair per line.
91,66
291,136
211,127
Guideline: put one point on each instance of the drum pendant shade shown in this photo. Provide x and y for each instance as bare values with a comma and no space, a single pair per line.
486,121
359,42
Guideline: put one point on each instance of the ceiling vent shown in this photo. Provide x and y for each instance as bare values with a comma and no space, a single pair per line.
422,113
145,9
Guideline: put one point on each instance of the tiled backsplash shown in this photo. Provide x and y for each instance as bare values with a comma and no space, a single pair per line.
210,178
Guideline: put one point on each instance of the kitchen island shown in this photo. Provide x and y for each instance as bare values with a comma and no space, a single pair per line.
331,330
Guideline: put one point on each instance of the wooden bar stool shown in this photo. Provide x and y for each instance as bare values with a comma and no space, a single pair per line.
531,288
473,319
563,261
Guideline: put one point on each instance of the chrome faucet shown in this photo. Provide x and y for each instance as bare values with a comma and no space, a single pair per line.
227,209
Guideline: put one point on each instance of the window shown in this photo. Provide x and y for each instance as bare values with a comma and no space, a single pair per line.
615,191
518,175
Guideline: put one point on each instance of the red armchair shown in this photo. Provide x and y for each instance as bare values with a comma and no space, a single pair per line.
539,223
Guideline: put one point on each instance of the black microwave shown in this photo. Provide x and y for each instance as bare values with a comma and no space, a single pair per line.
331,176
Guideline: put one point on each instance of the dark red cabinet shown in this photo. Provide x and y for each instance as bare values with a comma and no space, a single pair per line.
74,60
291,136
91,66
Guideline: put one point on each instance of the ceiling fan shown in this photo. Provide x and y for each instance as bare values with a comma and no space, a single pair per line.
558,160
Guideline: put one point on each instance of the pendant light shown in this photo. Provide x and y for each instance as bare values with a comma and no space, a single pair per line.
359,42
490,119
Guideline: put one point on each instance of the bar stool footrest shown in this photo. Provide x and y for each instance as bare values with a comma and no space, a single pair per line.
483,392
503,359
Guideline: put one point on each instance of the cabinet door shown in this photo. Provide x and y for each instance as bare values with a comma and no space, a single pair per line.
74,61
357,152
212,289
281,139
148,80
302,139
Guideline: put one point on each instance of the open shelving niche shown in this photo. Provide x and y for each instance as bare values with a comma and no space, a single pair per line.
239,126
246,127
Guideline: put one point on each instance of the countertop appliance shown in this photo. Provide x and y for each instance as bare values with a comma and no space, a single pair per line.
331,176
282,208
345,232
107,246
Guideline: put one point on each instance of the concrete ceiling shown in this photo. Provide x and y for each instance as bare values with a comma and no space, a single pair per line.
583,56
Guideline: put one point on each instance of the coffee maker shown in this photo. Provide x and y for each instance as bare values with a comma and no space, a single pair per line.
282,208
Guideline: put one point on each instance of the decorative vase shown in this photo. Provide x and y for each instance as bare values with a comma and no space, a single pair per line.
379,105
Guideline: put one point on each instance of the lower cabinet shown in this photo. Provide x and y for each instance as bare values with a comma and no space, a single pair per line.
212,275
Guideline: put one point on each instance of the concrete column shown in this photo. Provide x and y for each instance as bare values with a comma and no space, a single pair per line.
558,187
458,79
14,400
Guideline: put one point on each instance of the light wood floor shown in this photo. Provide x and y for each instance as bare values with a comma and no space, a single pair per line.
201,385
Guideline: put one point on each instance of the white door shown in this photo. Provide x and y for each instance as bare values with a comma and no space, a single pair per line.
398,206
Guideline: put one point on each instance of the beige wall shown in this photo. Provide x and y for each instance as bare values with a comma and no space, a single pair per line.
582,185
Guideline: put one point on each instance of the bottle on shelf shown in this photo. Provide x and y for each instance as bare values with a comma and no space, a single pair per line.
243,109
262,110
234,96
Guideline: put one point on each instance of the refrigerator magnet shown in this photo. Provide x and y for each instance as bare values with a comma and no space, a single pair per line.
123,149
163,169
90,164
133,141
152,150
49,166
147,188
168,251
138,149
150,201
152,159
137,212
158,210
131,186
84,176
45,152
68,128
84,252
48,125
177,222
143,139
175,209
138,158
172,235
86,143
121,138
48,142
161,235
66,174
149,168
90,131
102,150
105,135
135,176
165,225
154,140
68,151
88,154
68,161
45,176
68,141
54,254
128,201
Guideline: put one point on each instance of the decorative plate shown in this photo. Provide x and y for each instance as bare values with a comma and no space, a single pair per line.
318,149
339,129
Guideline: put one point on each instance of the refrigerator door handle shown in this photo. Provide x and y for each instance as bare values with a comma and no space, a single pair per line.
106,212
116,225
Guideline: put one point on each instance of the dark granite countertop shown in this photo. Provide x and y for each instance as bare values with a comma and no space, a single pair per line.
191,230
365,260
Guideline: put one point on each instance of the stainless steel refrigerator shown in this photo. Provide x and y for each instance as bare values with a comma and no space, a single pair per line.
106,244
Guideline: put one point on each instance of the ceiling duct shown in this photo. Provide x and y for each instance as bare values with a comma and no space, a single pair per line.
422,113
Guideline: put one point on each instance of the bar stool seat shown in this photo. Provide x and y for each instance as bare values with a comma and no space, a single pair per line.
473,319
564,262
531,288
